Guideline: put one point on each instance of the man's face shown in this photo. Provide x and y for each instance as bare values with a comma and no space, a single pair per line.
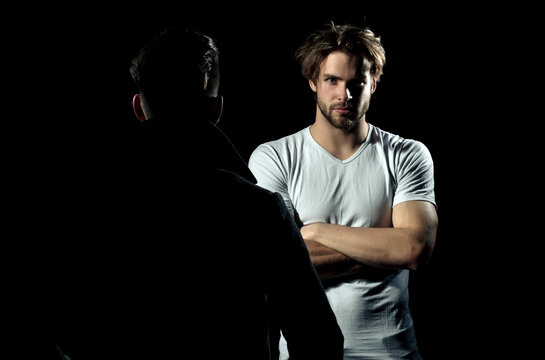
343,89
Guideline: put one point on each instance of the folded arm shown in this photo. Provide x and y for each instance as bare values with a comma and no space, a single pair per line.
408,244
330,264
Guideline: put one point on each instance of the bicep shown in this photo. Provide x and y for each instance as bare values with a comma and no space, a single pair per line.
266,166
420,218
415,213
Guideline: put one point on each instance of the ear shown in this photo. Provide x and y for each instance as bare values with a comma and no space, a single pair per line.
137,107
373,85
312,85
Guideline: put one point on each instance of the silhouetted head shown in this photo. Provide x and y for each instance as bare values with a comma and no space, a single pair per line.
177,75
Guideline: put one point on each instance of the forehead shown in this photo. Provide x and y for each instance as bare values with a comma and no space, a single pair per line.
344,64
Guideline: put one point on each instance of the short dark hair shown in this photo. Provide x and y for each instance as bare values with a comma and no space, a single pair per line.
351,39
179,63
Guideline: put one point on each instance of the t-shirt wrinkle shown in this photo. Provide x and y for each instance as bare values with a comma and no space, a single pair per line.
360,192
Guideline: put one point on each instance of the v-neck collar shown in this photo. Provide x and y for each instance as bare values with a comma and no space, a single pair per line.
362,147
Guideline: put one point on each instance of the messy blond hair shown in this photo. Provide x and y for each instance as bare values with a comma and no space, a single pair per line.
351,39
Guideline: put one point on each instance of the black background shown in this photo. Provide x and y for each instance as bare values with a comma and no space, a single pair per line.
441,85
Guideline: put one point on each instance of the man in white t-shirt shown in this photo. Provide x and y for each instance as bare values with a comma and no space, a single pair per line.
364,197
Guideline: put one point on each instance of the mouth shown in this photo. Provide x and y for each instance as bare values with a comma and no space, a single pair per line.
342,110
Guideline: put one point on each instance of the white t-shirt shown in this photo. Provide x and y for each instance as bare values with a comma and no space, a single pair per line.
372,310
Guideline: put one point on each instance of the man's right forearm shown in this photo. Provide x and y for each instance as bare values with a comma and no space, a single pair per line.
330,264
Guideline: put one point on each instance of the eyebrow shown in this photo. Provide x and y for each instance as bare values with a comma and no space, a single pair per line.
331,76
326,76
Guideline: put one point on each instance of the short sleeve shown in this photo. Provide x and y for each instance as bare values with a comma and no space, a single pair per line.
266,165
414,173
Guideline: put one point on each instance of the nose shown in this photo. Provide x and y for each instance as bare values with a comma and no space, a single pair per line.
344,94
348,95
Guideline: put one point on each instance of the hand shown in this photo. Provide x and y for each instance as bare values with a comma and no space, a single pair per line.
310,231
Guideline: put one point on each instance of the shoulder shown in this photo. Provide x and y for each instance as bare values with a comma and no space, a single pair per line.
227,184
283,144
399,145
280,152
231,193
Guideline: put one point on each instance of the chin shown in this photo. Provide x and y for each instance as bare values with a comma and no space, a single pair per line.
346,124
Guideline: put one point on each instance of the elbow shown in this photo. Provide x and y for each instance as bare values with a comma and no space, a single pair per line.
424,243
420,253
419,259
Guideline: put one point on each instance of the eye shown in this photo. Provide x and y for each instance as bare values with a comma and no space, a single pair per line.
331,80
357,84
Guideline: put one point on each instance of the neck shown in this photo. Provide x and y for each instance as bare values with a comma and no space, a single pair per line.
341,143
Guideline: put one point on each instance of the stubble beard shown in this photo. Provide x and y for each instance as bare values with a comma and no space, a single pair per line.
345,123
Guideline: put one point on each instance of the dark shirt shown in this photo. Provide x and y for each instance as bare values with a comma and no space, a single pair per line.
184,256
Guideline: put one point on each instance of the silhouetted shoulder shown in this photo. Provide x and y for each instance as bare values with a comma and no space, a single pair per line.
236,191
226,178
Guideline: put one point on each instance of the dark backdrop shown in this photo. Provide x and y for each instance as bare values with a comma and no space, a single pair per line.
434,89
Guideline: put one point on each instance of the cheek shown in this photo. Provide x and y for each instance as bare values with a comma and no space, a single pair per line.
326,93
364,98
366,94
